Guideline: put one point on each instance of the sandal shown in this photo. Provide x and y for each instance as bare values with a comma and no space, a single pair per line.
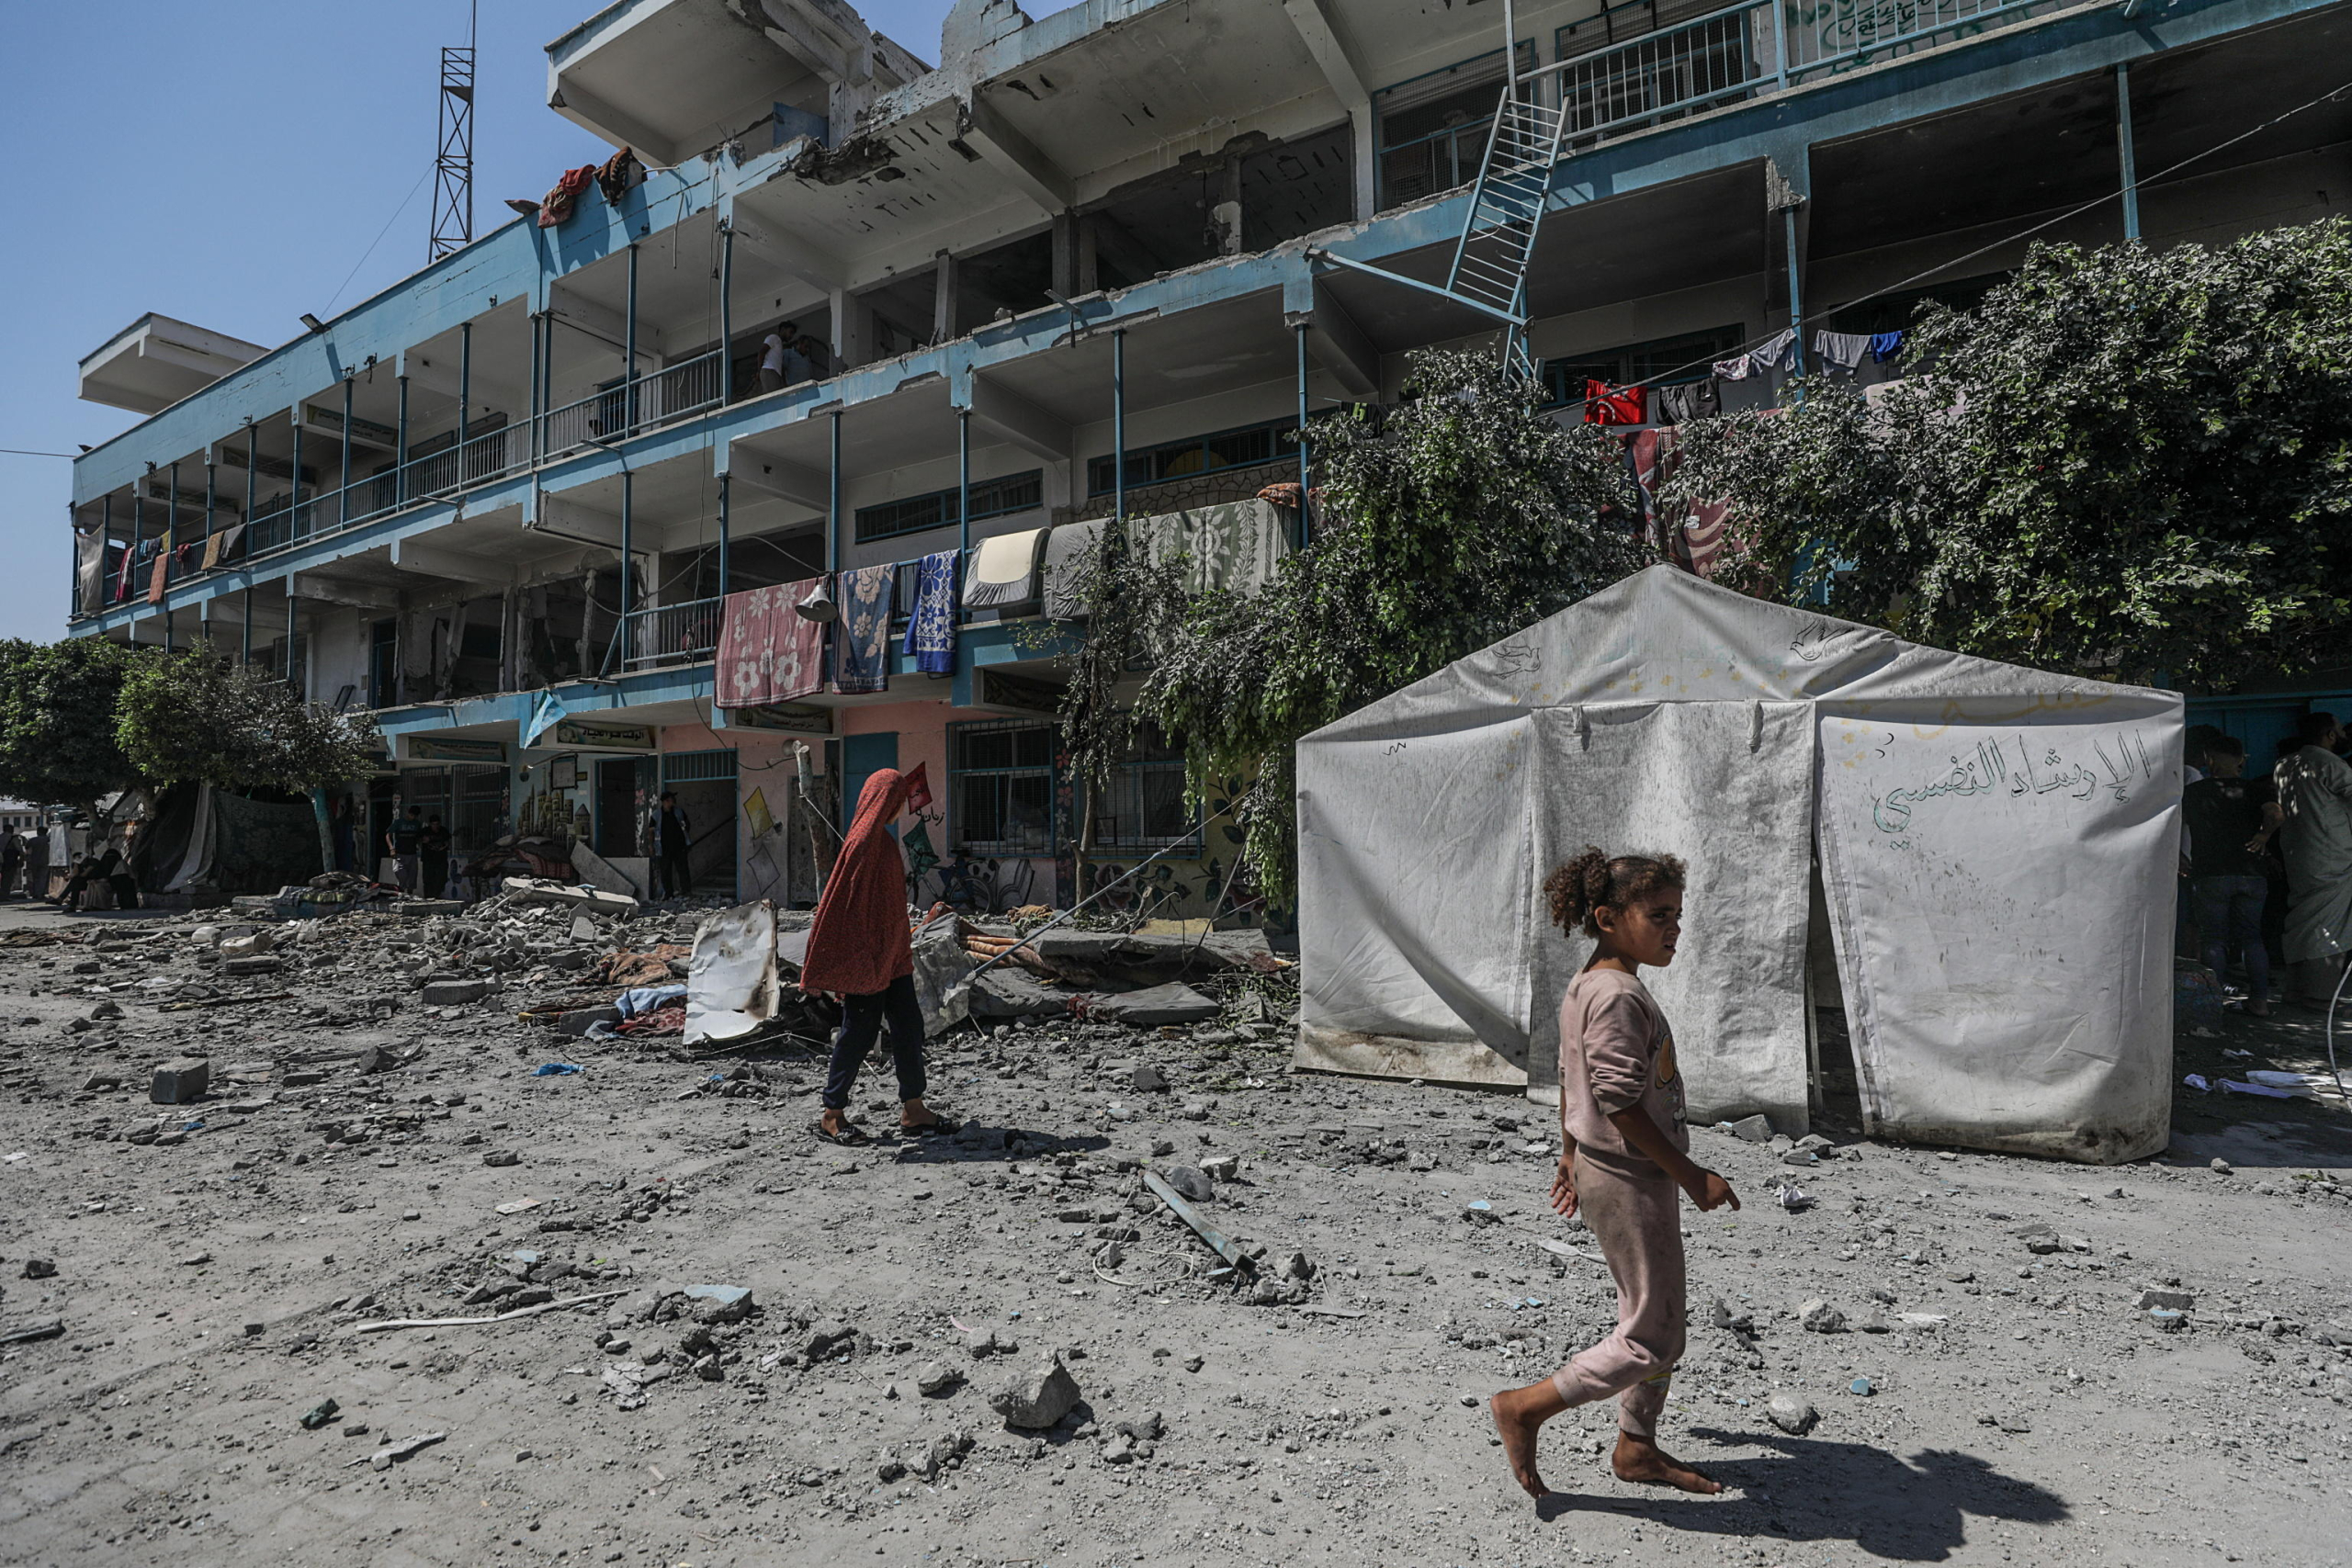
850,1136
938,1127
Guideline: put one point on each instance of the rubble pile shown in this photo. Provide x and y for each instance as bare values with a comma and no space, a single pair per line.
536,1269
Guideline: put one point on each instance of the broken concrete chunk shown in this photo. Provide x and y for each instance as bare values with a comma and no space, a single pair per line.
1752,1129
180,1081
454,993
2177,1301
1221,1167
719,1303
1791,1414
1818,1317
1153,1007
1189,1183
540,890
1038,1397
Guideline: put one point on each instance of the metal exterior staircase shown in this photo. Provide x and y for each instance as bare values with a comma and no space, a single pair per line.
1489,269
1506,205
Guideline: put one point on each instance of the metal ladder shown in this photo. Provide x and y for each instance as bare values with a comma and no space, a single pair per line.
1506,205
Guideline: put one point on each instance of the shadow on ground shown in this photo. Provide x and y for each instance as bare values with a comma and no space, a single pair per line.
1913,1510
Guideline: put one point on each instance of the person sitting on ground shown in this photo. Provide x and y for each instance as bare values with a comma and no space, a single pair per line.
2228,820
1623,1142
859,951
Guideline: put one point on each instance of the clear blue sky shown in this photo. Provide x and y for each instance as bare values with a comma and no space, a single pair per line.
231,163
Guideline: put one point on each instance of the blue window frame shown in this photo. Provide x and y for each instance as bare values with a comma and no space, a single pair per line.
914,513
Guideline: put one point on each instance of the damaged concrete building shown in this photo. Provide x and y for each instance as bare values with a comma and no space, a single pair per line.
833,308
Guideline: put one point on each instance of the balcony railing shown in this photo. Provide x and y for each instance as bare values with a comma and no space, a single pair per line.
666,634
1611,85
688,633
656,398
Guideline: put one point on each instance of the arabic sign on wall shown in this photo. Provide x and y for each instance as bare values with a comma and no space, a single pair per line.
571,733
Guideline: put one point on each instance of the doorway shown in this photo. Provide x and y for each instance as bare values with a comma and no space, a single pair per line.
704,785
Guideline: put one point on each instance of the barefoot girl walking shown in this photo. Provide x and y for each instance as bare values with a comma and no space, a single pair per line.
1622,1157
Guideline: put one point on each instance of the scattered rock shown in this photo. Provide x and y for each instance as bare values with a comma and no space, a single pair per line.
1818,1317
1189,1183
180,1081
454,993
1791,1414
1036,1398
502,1158
41,1269
937,1378
1221,1167
1753,1129
1147,1079
2177,1301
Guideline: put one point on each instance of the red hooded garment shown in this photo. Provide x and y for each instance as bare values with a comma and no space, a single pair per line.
859,943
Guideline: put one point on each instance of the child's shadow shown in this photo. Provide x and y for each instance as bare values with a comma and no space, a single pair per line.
1910,1510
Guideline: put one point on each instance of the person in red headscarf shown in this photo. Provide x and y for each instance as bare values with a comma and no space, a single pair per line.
859,951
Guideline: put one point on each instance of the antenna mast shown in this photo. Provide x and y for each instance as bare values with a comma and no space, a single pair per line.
453,164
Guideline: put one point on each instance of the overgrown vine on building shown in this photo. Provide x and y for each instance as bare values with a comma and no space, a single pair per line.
2123,462
1446,523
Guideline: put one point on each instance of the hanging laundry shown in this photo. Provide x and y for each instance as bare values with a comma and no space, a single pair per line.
1778,352
1885,346
1738,368
1605,405
931,619
862,651
621,172
1687,401
212,547
768,652
122,583
560,202
1841,351
229,539
159,579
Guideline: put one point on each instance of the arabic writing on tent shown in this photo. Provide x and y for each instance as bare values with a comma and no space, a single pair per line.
2122,762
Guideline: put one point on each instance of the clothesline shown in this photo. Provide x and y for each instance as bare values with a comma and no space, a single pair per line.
1679,402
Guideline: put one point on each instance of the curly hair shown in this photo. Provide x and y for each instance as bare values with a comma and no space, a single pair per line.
1594,879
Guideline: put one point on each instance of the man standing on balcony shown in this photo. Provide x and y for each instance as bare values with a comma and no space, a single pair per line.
405,842
772,353
673,839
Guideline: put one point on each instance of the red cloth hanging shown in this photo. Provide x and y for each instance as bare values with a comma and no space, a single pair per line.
858,943
767,653
1605,405
565,195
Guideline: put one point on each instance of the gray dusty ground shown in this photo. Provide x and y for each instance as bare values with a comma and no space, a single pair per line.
2022,1406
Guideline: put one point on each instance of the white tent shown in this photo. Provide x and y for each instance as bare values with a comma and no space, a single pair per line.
1996,846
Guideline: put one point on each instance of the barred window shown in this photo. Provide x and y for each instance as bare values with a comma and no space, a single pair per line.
1000,785
914,513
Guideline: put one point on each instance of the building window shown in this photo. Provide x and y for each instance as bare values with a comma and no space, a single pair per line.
1144,807
1001,788
1244,446
991,497
1661,362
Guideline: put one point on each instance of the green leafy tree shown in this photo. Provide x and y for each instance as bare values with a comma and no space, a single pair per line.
2122,462
1450,521
197,717
57,719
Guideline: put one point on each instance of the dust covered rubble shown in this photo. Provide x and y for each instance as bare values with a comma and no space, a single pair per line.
899,1303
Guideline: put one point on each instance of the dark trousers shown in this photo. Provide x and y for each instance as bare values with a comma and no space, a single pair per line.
2229,914
677,878
862,1020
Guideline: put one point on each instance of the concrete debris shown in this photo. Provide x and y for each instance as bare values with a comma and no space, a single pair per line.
1155,1008
180,1081
1037,1397
1818,1317
1790,1414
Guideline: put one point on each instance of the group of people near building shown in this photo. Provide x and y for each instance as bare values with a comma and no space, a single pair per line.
2267,861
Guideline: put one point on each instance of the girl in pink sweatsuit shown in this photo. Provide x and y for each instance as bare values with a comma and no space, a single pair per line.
1624,1162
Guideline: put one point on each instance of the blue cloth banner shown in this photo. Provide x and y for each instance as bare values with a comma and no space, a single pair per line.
931,620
